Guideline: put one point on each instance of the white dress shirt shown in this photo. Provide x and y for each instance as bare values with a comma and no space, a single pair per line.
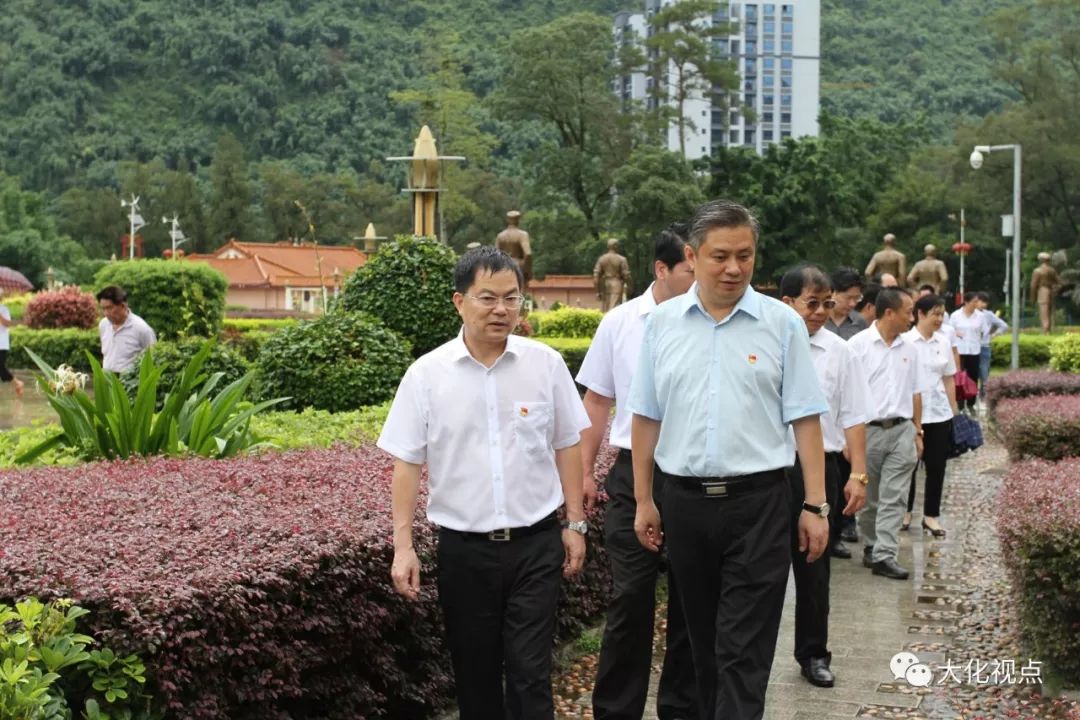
968,330
935,363
844,383
488,435
991,327
121,346
608,367
891,371
950,333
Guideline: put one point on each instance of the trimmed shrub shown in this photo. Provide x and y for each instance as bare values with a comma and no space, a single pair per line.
171,357
1028,383
1065,353
248,324
572,350
1045,427
246,343
409,285
17,304
67,307
341,361
567,322
176,298
253,588
1034,350
319,428
67,346
1039,523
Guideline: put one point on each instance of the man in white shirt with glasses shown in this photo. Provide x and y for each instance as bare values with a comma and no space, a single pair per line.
498,420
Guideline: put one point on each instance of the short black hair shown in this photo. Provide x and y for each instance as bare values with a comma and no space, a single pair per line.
984,296
928,302
970,295
113,293
890,298
869,296
931,288
485,257
670,247
720,214
844,278
802,276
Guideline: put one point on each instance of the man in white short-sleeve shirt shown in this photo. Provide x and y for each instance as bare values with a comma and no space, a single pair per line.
124,335
625,666
498,420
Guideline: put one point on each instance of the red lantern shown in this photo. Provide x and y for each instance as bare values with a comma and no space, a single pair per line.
962,248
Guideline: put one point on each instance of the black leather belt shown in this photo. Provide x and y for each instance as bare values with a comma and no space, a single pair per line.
726,487
508,534
888,423
625,455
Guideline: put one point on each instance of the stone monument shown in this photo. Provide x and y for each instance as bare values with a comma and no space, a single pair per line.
611,275
1045,282
929,271
515,242
888,260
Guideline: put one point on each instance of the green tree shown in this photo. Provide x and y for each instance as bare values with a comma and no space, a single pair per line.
682,61
29,241
231,196
93,217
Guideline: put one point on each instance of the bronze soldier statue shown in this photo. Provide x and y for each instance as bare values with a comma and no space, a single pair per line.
888,260
929,271
611,276
1044,285
515,242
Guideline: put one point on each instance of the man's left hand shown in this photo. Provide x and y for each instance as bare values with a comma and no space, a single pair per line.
574,544
813,535
855,494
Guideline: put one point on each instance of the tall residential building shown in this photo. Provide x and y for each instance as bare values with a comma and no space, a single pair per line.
777,51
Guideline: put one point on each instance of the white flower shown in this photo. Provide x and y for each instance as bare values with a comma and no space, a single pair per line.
67,380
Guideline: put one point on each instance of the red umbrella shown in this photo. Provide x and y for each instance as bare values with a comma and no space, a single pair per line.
13,281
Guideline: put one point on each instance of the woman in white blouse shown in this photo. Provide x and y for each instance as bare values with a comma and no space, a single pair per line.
968,323
936,371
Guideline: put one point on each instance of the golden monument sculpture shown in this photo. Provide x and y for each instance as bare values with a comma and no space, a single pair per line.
515,242
425,169
611,275
888,260
1045,282
929,271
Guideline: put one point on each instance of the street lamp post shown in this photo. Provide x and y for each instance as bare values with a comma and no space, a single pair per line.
135,221
976,163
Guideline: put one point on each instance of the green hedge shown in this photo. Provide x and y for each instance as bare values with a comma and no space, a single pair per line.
173,356
566,322
248,324
1034,350
1065,353
177,298
66,346
319,428
572,350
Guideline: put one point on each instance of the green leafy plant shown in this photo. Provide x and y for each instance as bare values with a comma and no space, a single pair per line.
1065,353
567,322
112,425
172,356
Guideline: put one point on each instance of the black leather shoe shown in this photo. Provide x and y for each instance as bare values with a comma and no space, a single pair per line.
839,550
817,672
849,534
889,568
868,556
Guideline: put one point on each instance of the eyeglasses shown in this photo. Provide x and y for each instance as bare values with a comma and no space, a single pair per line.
490,302
815,304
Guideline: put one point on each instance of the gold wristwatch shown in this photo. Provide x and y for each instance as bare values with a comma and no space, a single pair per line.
863,478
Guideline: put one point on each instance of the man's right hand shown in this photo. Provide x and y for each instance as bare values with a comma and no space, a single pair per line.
647,526
405,572
589,487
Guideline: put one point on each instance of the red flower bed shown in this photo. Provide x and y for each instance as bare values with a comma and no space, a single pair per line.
1026,383
252,588
1039,524
66,307
1044,426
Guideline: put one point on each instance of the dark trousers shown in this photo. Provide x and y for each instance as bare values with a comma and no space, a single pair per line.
622,679
970,365
5,374
837,519
499,601
729,556
811,579
937,441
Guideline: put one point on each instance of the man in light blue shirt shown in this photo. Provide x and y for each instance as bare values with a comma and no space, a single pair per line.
723,373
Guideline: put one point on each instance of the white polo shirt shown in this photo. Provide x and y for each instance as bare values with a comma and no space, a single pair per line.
844,383
488,435
968,331
608,367
121,346
891,372
935,363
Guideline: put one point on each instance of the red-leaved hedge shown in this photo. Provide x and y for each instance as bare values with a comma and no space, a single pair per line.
1038,521
1026,383
1044,426
253,588
67,307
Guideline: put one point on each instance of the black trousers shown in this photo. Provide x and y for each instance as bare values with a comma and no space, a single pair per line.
937,441
499,601
729,556
970,365
5,374
837,519
622,679
811,579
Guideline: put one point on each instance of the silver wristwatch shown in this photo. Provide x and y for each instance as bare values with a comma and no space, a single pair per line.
578,526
